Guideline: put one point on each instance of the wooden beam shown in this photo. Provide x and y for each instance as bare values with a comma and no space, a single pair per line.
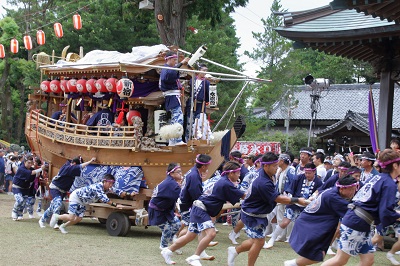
385,115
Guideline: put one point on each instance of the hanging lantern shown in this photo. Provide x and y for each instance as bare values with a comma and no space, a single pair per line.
45,86
111,84
2,51
28,42
125,88
64,85
91,85
77,21
101,85
71,85
55,86
81,85
131,114
58,29
40,37
14,46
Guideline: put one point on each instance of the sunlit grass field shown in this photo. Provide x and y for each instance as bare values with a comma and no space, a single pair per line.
88,243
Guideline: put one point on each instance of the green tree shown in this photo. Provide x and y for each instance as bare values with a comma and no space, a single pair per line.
222,46
171,16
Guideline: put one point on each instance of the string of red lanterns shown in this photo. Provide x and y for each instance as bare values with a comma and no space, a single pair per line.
40,36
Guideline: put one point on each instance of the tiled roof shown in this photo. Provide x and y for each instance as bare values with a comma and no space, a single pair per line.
360,121
342,20
335,102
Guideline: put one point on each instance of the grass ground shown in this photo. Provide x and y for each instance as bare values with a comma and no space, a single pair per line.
88,243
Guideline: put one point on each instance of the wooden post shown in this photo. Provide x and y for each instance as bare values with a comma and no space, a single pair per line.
385,115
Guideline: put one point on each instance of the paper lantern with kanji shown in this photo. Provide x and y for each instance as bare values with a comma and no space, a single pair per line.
45,86
101,85
131,114
40,37
77,21
14,46
71,85
125,88
111,84
28,42
55,86
63,85
81,85
91,85
2,51
58,30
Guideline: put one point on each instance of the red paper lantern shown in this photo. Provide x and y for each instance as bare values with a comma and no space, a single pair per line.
101,85
81,85
111,84
45,86
28,42
55,86
2,51
14,46
91,85
77,21
58,30
71,85
125,88
64,85
40,37
131,114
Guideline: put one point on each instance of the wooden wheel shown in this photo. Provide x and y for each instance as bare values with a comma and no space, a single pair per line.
118,224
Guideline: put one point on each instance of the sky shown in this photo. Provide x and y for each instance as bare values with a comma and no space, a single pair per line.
248,19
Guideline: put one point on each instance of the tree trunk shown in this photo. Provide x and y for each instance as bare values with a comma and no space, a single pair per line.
171,19
21,118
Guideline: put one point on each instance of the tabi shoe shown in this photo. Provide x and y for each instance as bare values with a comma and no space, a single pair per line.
232,237
53,220
41,223
10,193
397,253
290,262
14,216
205,256
212,243
194,260
166,253
330,251
56,227
237,235
31,216
20,218
390,257
178,251
226,224
335,244
269,244
232,254
39,214
62,229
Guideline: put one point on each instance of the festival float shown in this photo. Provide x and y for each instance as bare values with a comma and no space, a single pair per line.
136,153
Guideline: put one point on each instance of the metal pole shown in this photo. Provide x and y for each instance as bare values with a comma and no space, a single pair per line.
309,132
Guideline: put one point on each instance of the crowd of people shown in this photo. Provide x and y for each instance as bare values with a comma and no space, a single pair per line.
317,203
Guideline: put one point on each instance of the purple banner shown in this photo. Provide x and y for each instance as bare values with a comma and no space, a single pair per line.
372,122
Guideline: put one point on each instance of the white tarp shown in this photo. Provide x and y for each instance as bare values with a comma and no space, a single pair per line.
96,57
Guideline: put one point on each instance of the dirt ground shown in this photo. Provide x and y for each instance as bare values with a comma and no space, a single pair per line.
88,243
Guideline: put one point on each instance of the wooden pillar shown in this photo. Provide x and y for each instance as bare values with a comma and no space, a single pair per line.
385,111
